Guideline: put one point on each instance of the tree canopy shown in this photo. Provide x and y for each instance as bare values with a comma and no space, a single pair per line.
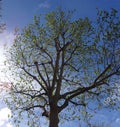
64,62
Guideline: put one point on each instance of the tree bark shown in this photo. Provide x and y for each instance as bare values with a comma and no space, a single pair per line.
54,119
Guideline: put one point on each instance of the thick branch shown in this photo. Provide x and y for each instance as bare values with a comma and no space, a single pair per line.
61,75
69,95
55,73
63,106
102,74
57,44
85,89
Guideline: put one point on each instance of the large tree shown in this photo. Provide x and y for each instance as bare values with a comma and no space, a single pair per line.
64,62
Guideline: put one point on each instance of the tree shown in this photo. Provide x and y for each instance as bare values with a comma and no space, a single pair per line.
2,25
64,61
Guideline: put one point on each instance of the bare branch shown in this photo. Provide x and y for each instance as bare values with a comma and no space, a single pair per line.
35,78
77,104
40,64
71,55
71,82
36,63
102,74
71,66
51,62
97,94
48,79
30,94
32,107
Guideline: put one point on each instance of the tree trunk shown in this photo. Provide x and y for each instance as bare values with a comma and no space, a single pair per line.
54,119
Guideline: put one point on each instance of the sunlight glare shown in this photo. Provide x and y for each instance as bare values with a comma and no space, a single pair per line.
4,119
5,38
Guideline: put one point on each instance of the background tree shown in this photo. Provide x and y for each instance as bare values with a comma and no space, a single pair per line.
64,62
2,25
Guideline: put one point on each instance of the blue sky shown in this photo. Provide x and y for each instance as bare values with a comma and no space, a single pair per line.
19,13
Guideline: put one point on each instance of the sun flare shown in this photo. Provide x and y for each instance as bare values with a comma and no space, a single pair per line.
6,38
5,113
